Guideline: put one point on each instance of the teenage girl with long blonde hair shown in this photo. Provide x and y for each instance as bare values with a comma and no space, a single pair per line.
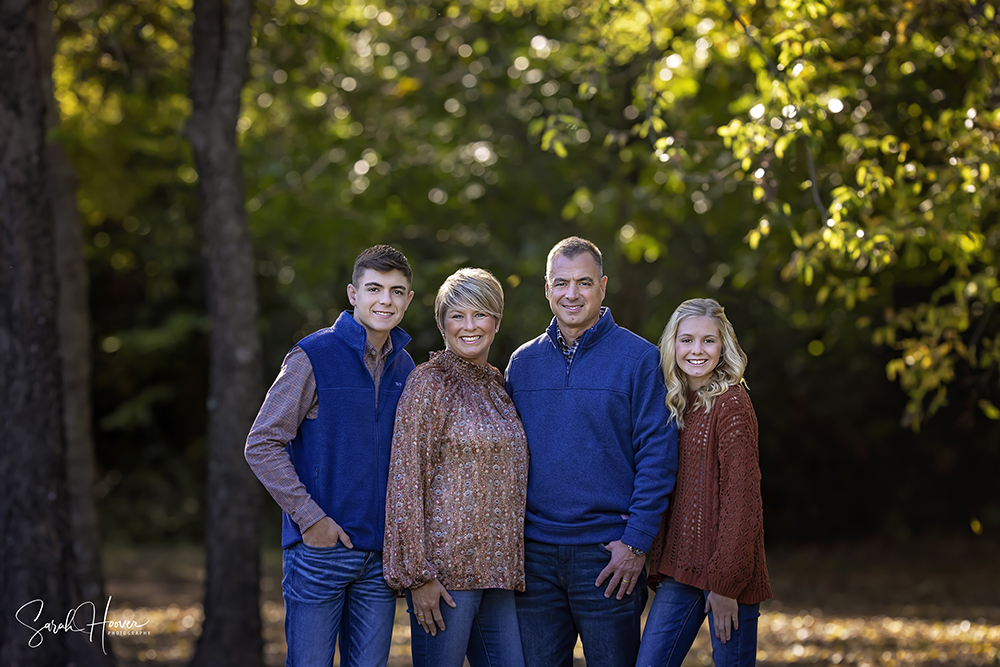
708,558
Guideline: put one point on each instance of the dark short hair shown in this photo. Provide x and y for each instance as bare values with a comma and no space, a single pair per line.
381,258
570,248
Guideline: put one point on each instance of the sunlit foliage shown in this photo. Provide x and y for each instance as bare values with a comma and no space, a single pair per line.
867,135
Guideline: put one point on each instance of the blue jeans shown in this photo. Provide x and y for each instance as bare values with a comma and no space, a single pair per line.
482,626
316,584
561,602
674,619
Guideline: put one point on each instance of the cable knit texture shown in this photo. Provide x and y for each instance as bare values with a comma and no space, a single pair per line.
714,529
457,480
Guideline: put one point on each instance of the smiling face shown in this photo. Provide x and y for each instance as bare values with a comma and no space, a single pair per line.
469,333
697,349
575,289
379,301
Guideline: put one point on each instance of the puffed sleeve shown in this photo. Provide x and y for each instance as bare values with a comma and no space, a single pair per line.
741,520
416,439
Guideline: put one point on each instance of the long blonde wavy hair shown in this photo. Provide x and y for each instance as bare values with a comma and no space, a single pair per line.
732,359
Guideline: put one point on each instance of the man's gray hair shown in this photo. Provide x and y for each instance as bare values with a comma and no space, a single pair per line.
570,248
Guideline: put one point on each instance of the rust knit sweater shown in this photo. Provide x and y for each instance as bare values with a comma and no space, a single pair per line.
713,533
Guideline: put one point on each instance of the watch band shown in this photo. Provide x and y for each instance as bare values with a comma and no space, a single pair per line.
635,550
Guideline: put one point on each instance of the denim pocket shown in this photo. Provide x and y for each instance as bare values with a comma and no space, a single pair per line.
604,548
321,550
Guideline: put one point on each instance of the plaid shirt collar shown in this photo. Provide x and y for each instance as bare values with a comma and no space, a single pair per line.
570,350
372,351
567,350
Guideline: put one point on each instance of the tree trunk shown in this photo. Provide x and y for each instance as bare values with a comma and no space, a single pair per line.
232,630
74,338
36,561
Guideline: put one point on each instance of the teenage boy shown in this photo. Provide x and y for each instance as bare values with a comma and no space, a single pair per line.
320,445
603,458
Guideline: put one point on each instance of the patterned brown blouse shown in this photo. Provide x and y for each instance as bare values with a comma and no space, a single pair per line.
457,480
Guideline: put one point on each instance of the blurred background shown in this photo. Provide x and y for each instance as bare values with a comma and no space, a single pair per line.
422,125
827,170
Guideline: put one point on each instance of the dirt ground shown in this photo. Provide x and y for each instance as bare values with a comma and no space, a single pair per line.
931,603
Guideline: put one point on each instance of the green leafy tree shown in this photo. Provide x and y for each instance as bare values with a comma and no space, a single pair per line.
866,135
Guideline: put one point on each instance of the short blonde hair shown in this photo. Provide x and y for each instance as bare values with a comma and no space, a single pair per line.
732,360
469,288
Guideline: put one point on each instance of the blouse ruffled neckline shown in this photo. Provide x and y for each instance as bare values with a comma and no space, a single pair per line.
448,360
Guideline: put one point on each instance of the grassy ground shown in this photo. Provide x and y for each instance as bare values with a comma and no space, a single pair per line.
933,603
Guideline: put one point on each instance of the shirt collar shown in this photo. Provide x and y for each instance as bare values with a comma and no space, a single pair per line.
372,351
562,341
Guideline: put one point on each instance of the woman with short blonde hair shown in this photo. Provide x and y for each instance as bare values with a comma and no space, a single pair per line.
469,288
454,526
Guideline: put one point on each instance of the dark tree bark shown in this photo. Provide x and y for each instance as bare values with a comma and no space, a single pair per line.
36,561
232,630
74,338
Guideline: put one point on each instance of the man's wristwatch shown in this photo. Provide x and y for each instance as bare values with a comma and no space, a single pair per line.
635,551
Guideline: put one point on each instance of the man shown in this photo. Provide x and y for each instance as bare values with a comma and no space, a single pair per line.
320,445
603,459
